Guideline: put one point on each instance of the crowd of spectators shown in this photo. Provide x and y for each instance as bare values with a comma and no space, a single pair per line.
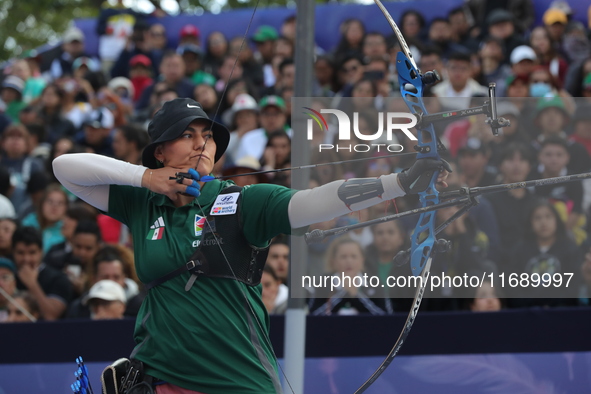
61,258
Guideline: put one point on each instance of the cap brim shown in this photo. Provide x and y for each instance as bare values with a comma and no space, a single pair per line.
221,136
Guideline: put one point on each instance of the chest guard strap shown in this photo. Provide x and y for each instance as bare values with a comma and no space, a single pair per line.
223,241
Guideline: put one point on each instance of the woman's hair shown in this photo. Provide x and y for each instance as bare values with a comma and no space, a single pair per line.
552,53
333,249
30,301
418,15
61,93
529,233
51,188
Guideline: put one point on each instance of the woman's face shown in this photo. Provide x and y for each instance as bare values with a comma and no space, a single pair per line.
238,88
539,41
54,206
190,149
354,33
282,148
15,315
7,228
348,259
387,237
411,25
486,299
543,223
62,146
206,96
270,290
50,98
217,44
518,89
246,120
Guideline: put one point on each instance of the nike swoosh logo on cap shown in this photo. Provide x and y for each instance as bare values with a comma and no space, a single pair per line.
193,106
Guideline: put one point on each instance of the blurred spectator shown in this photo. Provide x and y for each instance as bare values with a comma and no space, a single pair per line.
275,293
555,20
207,96
60,255
193,58
272,117
216,50
388,238
49,216
26,302
230,69
114,27
172,73
412,25
11,94
8,284
576,75
345,258
552,119
252,70
501,25
455,92
72,48
278,259
521,10
128,143
86,242
513,133
6,207
74,109
523,60
431,61
246,165
545,248
568,199
374,46
190,35
461,27
325,73
541,41
352,34
140,74
36,186
240,119
118,98
33,84
138,44
486,299
49,287
264,38
493,69
19,164
285,78
284,48
96,136
157,37
7,228
511,207
576,45
440,36
473,164
277,155
106,300
51,113
581,123
110,263
350,72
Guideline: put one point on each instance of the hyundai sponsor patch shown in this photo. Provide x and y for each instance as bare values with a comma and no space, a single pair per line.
225,204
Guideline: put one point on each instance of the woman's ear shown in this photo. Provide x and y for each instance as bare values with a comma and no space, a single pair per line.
158,153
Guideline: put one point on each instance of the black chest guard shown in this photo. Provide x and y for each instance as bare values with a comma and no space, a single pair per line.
223,251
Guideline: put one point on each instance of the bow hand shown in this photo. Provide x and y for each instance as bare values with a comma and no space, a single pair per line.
418,177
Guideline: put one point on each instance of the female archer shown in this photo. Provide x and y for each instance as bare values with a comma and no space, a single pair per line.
199,247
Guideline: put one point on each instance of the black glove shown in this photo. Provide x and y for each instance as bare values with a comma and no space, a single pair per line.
417,178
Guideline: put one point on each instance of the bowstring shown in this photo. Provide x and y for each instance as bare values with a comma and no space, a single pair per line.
242,289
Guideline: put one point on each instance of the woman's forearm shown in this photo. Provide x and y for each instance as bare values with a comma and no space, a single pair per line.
338,198
89,175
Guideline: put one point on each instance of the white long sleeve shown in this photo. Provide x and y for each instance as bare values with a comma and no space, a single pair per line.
323,203
88,176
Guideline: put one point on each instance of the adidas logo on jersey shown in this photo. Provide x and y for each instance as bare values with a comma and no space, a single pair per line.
156,230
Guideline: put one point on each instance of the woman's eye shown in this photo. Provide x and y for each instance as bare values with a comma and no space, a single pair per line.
208,136
188,135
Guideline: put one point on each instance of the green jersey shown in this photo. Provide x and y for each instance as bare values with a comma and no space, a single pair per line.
205,339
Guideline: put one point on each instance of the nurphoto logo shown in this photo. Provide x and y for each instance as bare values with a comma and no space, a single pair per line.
392,120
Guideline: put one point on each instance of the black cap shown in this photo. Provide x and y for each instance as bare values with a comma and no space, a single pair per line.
499,15
172,120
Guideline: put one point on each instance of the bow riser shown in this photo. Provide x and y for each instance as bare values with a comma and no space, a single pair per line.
411,87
